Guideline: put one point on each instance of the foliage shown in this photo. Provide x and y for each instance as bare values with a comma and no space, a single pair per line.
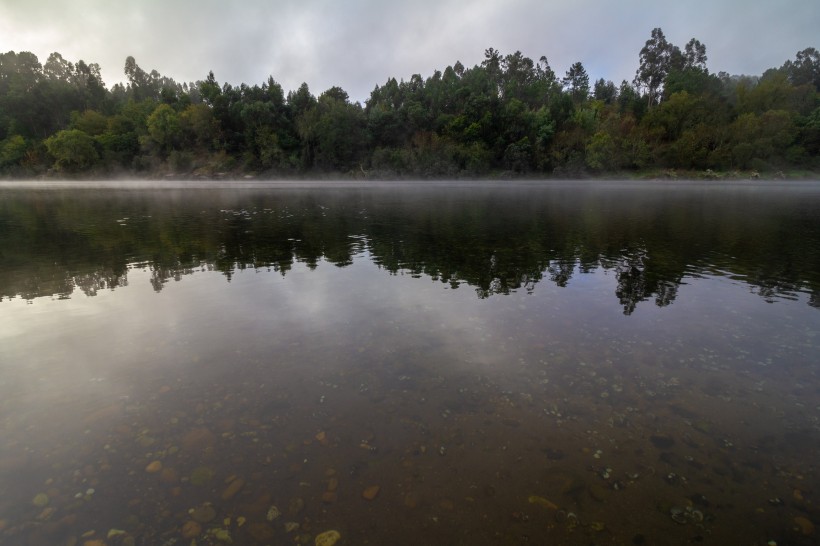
508,114
72,149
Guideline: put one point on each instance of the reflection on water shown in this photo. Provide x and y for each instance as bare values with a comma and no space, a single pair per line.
567,364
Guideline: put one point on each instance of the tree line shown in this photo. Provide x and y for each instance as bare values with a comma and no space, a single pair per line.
507,115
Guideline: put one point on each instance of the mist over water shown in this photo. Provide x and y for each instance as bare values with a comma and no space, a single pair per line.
567,362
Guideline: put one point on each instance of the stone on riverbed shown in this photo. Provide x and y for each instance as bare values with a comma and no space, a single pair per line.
328,538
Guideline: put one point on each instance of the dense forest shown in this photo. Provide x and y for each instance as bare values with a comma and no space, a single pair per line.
508,116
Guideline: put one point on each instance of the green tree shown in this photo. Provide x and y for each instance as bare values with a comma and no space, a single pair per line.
198,128
72,149
339,131
805,68
605,91
164,129
655,61
576,82
90,122
12,151
602,153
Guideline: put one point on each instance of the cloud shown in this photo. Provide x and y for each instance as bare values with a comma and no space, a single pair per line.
361,43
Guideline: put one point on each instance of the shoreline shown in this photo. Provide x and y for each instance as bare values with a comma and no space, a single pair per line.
668,175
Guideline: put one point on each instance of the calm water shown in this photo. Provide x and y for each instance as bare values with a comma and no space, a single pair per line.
563,363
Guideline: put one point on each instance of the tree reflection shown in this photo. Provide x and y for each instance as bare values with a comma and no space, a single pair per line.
497,240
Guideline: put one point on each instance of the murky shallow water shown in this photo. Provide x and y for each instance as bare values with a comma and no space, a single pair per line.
570,363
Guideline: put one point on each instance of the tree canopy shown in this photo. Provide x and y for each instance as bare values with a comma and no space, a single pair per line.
509,114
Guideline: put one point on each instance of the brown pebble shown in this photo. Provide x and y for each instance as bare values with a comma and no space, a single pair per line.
203,513
329,497
198,439
169,475
153,467
805,525
371,492
191,529
261,532
232,489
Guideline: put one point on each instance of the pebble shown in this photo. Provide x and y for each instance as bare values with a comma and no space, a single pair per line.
153,467
328,538
371,492
296,506
233,488
261,532
329,497
273,513
805,525
201,475
191,529
541,501
198,439
169,475
46,513
203,513
40,500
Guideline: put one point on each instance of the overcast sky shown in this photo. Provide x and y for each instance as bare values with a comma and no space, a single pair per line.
358,44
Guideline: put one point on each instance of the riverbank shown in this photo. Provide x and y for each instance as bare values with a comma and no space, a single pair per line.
649,174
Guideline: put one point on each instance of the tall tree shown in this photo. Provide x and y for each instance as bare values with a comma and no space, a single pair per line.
805,69
605,91
576,81
694,55
655,62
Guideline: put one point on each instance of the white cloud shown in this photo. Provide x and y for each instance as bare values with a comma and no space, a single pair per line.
361,43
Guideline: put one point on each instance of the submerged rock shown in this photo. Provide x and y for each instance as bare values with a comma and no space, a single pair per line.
40,500
805,525
202,475
296,506
328,538
203,513
371,492
233,488
191,529
198,439
261,532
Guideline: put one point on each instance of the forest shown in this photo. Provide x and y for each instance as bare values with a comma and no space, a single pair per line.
510,116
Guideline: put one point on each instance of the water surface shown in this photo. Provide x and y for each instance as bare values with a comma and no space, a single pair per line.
517,363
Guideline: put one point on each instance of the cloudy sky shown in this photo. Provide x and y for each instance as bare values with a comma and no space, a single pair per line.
357,44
